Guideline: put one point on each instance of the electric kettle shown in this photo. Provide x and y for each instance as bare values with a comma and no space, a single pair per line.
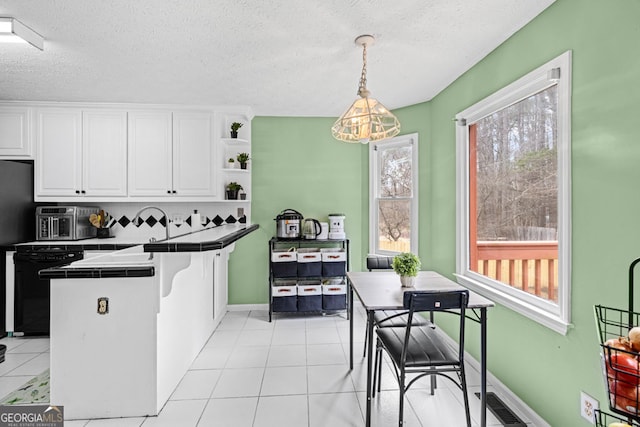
311,229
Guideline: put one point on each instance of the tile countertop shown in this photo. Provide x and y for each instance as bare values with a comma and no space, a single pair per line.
208,239
211,238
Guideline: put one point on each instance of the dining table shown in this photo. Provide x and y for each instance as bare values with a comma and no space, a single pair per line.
381,290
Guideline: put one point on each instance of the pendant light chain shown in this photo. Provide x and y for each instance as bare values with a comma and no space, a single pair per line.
362,89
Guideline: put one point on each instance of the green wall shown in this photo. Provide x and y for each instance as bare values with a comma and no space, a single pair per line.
545,369
297,164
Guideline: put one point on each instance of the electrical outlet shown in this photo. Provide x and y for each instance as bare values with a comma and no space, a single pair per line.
588,405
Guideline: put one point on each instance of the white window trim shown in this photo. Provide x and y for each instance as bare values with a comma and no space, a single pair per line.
373,190
556,317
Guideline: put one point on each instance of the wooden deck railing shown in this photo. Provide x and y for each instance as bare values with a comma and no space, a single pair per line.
530,266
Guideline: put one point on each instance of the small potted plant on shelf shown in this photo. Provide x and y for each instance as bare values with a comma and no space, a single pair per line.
232,190
243,195
243,158
406,265
234,129
231,163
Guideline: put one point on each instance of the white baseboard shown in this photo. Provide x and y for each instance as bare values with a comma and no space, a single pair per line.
507,396
247,307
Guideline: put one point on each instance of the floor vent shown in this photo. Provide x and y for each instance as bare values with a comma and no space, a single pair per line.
501,411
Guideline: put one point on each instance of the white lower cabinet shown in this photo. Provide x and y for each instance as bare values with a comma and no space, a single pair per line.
80,154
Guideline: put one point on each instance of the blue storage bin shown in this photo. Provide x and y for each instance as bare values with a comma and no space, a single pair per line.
309,295
284,297
284,263
334,295
309,262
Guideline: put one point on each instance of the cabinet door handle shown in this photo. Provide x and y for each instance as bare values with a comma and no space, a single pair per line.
83,192
168,191
174,191
77,191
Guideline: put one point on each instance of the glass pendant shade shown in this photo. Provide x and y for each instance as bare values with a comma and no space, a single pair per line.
367,119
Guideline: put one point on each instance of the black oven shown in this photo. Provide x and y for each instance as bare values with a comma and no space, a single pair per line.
31,305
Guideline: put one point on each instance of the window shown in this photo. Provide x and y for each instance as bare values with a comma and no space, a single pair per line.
393,184
513,195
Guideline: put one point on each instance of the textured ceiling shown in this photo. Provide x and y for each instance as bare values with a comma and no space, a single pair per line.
283,58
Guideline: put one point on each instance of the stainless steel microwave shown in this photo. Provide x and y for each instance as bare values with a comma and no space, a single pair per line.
64,222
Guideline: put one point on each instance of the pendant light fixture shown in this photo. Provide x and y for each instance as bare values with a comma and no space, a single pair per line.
367,119
14,31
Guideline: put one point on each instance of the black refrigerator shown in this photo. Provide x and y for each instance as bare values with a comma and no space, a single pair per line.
17,217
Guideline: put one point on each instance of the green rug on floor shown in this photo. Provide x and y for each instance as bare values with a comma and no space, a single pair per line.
36,390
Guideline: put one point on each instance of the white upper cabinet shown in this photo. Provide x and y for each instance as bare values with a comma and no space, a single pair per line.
171,155
58,152
15,132
193,155
95,153
104,154
80,154
150,154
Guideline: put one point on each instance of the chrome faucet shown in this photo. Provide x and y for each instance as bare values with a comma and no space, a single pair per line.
154,207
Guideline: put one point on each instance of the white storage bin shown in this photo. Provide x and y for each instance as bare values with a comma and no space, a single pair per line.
333,254
284,255
309,287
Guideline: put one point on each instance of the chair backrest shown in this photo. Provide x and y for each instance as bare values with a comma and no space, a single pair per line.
377,262
431,301
435,300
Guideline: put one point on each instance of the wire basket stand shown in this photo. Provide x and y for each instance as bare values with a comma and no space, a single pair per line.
620,363
604,419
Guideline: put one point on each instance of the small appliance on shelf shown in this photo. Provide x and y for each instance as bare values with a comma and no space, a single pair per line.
64,222
288,224
336,226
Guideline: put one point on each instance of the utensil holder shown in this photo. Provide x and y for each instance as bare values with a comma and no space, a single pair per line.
103,233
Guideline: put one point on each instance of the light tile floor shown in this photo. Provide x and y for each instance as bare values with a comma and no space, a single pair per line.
292,372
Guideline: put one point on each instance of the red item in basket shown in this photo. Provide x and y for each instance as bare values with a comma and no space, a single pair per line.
623,396
623,368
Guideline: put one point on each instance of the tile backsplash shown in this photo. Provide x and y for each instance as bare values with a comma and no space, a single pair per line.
152,222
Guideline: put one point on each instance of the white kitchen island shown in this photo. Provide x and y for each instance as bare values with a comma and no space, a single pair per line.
126,326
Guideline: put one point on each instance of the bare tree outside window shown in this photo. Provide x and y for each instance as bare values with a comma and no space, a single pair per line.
517,167
516,194
395,192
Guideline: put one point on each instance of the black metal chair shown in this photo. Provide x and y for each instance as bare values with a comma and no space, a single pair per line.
388,318
420,350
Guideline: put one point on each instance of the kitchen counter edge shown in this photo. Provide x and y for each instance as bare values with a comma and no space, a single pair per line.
160,246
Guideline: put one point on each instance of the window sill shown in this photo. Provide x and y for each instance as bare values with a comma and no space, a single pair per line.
530,311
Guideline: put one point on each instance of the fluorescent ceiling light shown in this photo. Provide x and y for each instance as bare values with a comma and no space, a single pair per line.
14,31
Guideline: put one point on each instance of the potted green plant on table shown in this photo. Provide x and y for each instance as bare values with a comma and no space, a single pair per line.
243,158
232,190
234,129
406,265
